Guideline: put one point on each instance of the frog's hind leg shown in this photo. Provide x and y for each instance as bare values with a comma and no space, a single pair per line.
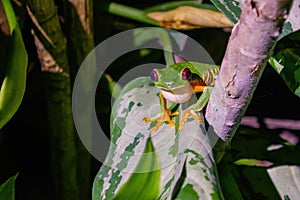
164,116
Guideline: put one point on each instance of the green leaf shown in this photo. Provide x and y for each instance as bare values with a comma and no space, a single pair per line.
233,8
188,192
113,86
229,185
145,185
13,85
286,61
7,189
253,162
188,150
10,14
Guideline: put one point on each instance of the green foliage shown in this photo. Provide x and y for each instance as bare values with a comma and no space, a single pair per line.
7,189
13,85
260,164
229,186
146,184
286,61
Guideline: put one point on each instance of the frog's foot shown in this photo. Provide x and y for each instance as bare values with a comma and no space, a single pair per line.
164,117
186,115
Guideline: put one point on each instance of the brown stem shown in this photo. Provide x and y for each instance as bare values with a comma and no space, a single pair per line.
249,47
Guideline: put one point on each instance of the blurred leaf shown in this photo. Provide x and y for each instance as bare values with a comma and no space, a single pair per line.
286,181
254,144
13,85
233,8
188,150
186,17
253,162
125,11
162,36
7,189
254,182
113,86
286,61
10,14
229,186
145,185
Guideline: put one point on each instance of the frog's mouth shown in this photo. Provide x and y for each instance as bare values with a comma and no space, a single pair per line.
178,95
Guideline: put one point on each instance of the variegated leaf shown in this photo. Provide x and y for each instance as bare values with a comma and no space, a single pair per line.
233,8
286,180
186,167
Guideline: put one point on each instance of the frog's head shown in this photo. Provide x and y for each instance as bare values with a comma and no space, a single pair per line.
173,83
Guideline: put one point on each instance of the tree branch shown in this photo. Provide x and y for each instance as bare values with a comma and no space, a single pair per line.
250,45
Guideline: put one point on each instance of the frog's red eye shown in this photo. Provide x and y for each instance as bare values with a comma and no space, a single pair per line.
154,76
186,74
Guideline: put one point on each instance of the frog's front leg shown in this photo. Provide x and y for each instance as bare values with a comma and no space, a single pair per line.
163,117
202,101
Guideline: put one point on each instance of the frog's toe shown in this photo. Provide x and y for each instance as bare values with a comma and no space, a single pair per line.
147,120
165,117
195,116
186,115
157,125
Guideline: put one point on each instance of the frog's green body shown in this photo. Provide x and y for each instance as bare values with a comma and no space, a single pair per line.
177,83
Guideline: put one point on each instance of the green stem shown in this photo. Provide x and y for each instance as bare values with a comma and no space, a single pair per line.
175,4
127,12
167,45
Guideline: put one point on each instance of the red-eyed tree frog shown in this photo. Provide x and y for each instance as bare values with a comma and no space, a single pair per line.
177,83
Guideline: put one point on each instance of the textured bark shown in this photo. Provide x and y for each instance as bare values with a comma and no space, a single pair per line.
51,45
79,30
249,47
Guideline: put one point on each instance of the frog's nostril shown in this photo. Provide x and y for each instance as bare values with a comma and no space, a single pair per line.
169,84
